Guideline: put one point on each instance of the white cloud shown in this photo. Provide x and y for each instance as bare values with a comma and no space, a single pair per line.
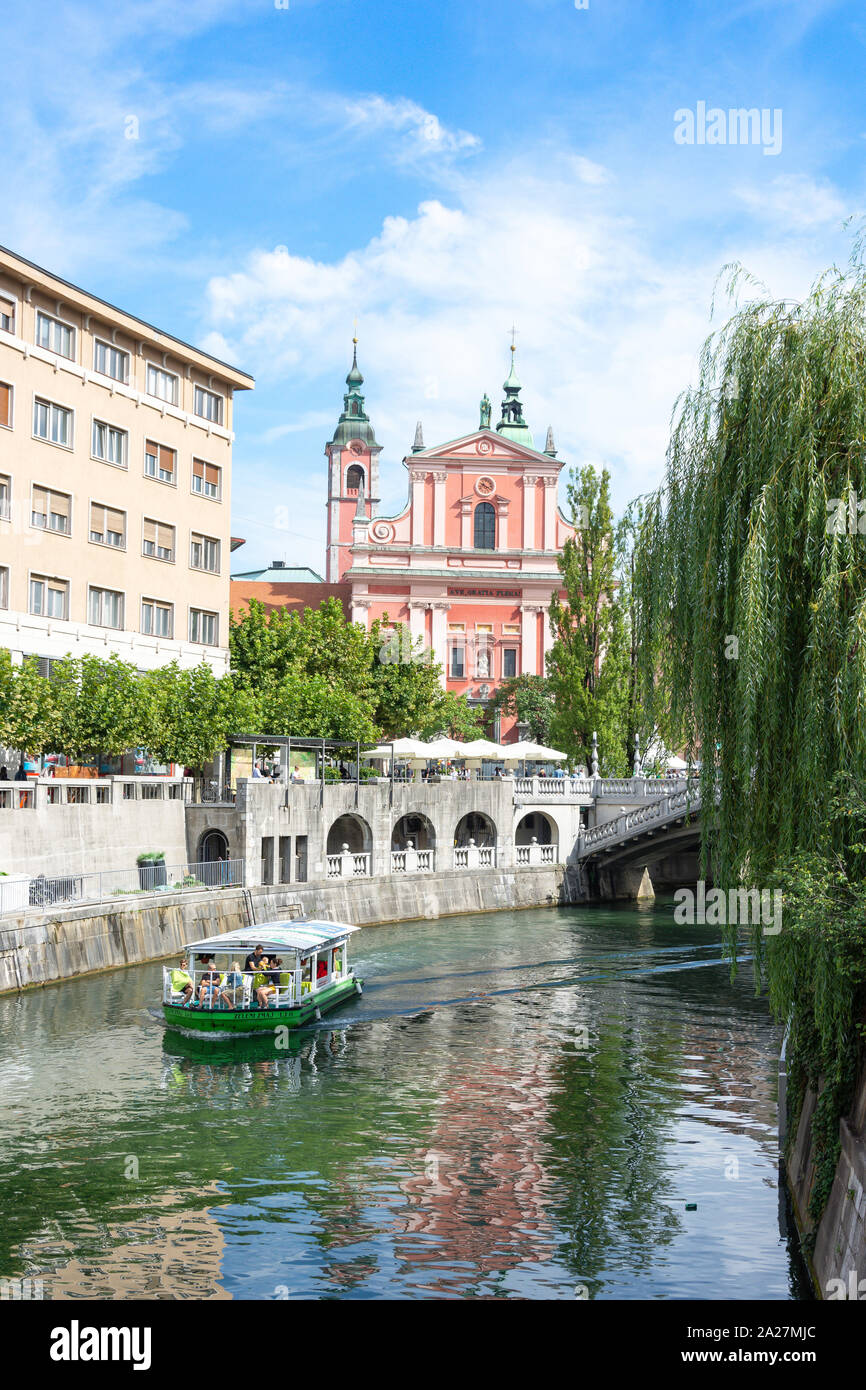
425,134
794,202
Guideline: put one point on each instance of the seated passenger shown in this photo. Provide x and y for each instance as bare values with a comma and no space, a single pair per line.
261,984
181,981
321,969
234,980
209,985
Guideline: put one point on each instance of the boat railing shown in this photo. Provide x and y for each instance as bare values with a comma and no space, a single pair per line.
292,989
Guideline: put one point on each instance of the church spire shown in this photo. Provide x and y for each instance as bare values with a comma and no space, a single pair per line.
549,446
418,446
512,423
354,423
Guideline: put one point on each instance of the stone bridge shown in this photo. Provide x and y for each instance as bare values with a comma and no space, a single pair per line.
300,833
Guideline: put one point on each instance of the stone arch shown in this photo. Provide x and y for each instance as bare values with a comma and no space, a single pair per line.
354,477
414,826
475,825
352,830
538,826
212,845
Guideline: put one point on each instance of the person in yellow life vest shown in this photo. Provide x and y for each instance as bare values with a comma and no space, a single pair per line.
181,981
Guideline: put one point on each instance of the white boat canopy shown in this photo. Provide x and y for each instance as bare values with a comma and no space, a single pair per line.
300,936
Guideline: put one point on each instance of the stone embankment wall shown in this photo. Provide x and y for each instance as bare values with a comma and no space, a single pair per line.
60,840
42,948
840,1238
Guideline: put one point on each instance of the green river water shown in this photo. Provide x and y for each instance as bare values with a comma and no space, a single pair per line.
521,1105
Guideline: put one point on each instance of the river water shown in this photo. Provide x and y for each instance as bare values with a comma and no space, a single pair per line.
522,1105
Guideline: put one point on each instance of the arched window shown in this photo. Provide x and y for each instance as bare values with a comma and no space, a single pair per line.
354,478
485,526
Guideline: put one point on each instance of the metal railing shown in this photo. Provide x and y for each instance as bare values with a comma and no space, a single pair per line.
20,892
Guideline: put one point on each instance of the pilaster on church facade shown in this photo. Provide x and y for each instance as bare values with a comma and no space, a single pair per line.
469,565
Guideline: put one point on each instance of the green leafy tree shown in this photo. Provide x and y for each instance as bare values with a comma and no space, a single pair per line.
406,682
529,700
31,719
319,641
316,707
588,662
102,707
452,716
193,712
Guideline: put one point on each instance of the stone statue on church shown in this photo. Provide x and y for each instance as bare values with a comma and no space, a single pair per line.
486,412
483,663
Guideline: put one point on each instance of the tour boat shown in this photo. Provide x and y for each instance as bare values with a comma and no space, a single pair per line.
299,989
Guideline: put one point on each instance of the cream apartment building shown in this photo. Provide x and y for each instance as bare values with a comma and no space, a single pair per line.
115,481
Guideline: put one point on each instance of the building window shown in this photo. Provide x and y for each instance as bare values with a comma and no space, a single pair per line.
458,661
7,315
354,478
157,619
107,526
55,336
6,404
110,361
509,662
206,479
105,608
208,405
162,384
485,526
204,553
52,423
49,598
203,627
51,511
110,444
4,586
5,497
160,462
158,540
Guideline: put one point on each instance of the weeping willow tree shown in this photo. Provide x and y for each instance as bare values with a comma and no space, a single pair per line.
751,582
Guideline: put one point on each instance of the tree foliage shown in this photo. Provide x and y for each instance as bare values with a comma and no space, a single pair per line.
752,598
528,699
588,661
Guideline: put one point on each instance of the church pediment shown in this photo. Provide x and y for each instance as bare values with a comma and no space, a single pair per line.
482,446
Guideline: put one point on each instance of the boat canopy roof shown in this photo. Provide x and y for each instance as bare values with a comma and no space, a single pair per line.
301,935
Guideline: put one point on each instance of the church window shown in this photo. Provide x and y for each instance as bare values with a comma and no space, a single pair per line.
354,478
485,526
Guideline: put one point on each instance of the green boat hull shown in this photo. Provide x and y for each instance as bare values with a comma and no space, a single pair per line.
258,1020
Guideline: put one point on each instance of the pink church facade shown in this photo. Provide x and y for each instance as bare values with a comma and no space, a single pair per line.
469,565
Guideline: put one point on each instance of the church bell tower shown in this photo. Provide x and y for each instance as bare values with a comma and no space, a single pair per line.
353,474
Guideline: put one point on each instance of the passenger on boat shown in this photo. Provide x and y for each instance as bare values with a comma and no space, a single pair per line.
261,983
234,980
209,984
321,969
181,980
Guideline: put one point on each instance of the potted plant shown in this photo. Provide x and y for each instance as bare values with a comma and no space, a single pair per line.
151,869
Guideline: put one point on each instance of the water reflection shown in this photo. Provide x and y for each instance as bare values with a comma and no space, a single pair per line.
520,1104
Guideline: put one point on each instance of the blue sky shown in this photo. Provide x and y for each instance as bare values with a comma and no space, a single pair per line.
439,172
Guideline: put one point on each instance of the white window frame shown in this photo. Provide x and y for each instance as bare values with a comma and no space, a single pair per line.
56,322
11,388
205,541
118,593
200,492
111,347
204,613
210,396
50,530
156,603
7,301
161,372
50,406
516,650
37,577
7,515
170,526
124,434
5,578
109,506
154,477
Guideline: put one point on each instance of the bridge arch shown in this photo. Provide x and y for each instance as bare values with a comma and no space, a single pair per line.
477,826
538,826
414,826
352,830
